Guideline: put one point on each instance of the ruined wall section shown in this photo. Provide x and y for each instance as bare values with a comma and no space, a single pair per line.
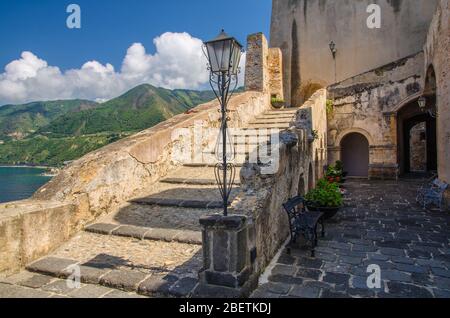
368,104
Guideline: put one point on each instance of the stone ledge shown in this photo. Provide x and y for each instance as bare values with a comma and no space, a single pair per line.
146,233
194,204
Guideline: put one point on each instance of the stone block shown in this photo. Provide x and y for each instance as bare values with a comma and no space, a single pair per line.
37,281
123,279
157,285
130,231
184,287
102,228
52,266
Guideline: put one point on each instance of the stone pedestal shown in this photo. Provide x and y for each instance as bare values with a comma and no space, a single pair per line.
228,254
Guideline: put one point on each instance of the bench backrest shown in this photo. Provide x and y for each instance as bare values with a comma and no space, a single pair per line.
442,186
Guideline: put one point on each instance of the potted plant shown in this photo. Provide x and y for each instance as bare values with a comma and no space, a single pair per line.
340,166
326,198
278,103
334,175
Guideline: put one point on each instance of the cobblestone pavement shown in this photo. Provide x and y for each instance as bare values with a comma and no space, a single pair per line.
380,224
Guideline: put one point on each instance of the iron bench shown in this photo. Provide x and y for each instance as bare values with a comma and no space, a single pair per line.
432,194
303,222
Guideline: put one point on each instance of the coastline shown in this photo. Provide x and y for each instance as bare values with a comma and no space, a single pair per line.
49,171
27,166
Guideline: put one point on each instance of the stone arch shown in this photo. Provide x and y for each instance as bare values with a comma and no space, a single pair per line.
361,131
355,154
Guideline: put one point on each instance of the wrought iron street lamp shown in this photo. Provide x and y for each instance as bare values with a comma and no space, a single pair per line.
224,55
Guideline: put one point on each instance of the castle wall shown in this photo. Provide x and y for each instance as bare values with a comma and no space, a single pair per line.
368,104
437,55
303,30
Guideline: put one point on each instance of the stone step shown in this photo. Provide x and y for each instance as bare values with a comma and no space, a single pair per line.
158,217
27,284
208,165
195,204
276,116
149,268
283,111
211,182
181,195
146,233
281,126
269,121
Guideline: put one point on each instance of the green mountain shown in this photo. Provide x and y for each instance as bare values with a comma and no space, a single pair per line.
138,109
19,121
62,134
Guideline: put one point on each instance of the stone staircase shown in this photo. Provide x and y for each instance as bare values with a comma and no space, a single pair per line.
150,246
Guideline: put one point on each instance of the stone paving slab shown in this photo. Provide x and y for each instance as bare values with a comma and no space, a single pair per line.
156,234
53,266
380,224
157,217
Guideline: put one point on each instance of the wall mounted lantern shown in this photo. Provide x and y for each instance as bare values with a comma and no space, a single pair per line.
422,101
333,49
224,55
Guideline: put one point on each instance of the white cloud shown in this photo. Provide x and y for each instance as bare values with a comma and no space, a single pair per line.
177,63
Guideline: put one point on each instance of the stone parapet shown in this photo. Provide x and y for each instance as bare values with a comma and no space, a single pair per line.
31,229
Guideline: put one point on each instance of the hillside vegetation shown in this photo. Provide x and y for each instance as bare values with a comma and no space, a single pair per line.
51,133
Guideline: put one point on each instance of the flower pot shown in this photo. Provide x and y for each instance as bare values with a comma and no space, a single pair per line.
329,212
278,105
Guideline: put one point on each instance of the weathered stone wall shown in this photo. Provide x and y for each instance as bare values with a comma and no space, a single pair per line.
437,55
30,229
368,104
264,194
257,77
303,30
275,65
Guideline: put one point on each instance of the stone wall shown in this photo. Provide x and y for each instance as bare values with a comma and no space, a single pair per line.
368,104
275,65
303,30
257,77
437,55
30,229
264,194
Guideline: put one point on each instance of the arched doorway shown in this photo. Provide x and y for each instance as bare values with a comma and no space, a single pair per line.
417,132
355,155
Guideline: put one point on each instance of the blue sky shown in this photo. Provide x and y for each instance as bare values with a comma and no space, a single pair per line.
109,27
121,44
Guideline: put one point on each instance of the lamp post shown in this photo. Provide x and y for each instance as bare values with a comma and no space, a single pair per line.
224,54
